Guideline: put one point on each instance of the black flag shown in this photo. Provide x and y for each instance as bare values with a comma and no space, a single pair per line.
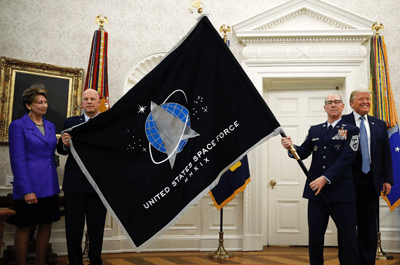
165,143
231,183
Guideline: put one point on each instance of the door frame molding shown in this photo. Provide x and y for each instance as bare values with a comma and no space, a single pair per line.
255,208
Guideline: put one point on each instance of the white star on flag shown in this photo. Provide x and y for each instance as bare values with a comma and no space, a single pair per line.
141,109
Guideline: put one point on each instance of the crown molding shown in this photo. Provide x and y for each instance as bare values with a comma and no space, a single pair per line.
307,12
304,21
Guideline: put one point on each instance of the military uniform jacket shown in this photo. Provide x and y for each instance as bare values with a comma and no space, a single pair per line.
332,156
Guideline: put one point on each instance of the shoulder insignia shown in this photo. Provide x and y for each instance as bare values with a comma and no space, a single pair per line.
354,143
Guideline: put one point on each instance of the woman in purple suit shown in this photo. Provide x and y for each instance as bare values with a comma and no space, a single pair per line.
33,142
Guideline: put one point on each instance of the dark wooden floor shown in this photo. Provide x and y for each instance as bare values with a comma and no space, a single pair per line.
270,255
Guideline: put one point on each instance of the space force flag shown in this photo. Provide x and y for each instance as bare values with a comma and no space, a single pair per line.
167,141
234,180
231,183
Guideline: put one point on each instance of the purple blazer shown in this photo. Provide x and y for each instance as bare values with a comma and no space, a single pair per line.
32,158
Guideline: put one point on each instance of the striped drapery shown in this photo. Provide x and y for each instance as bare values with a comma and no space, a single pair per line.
385,109
97,75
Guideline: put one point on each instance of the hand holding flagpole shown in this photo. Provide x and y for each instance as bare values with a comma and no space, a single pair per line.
287,144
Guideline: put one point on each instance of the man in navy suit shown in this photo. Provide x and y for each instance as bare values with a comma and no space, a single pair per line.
377,169
81,200
333,145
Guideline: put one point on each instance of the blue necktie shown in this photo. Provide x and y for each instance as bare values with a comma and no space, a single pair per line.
364,147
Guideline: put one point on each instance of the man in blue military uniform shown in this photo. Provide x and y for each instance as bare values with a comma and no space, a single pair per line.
333,145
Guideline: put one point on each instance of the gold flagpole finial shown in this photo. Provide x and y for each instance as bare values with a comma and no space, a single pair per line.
225,29
196,4
100,19
377,27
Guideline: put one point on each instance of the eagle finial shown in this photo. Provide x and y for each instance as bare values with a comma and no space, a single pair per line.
100,19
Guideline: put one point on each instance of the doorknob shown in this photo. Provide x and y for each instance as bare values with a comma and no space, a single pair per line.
272,183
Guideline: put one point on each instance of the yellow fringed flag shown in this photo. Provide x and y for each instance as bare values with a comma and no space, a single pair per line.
234,180
385,109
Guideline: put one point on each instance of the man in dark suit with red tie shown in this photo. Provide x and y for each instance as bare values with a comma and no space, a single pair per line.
372,171
81,200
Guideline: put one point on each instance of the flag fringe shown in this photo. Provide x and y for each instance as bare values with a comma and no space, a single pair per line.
163,230
97,75
385,106
390,205
182,39
229,199
182,212
96,188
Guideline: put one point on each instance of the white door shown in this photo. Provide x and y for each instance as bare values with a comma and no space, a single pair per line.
296,111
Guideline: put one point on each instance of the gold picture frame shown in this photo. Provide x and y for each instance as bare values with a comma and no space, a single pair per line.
63,86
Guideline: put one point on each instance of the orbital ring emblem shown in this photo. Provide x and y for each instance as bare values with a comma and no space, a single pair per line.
151,154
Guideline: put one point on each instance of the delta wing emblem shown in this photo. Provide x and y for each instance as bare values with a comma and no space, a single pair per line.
354,143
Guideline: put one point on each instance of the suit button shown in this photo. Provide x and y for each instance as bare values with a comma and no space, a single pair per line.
324,147
324,157
323,167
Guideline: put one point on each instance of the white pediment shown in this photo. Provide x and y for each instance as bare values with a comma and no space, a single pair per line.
299,19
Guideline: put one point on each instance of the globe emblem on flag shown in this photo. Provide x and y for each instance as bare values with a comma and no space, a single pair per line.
153,133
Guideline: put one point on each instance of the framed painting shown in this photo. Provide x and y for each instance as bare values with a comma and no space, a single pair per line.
63,86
